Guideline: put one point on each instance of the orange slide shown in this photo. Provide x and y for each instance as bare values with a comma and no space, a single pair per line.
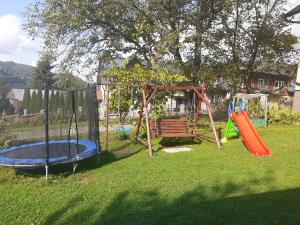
251,138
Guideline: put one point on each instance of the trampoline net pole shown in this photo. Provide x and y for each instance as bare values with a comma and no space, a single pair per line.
96,122
47,127
75,120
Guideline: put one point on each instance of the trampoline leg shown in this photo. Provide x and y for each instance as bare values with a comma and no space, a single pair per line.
74,167
98,158
46,167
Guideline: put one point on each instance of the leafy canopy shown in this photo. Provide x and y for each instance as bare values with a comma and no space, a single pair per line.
202,39
128,83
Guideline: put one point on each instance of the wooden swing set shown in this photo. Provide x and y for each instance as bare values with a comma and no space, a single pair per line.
172,128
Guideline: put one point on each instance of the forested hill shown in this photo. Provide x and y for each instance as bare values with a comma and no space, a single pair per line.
16,75
12,69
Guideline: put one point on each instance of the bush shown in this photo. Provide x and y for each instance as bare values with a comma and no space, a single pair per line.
4,134
282,116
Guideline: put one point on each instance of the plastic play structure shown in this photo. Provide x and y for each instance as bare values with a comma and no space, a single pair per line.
261,99
239,124
172,128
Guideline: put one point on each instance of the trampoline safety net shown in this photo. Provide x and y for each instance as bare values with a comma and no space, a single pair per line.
57,126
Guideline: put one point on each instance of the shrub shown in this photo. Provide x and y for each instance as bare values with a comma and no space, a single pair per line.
282,116
4,134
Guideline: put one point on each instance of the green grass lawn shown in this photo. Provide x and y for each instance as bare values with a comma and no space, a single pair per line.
204,186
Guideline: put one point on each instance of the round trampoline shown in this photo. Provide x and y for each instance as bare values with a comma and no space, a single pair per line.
60,152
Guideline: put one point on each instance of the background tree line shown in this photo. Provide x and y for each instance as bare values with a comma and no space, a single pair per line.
60,103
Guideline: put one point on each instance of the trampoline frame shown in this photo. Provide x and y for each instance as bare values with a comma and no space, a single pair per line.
89,151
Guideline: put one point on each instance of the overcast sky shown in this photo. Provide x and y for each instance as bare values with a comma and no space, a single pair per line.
16,46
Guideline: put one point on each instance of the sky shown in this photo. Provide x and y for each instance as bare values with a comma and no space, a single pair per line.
17,46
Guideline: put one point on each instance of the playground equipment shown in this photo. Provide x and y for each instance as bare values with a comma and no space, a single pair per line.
256,105
231,129
119,128
172,128
61,148
239,124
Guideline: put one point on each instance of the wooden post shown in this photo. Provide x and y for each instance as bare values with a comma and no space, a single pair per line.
147,122
106,117
211,120
196,115
203,97
139,122
143,104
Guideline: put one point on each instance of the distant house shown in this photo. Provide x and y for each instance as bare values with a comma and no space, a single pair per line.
15,97
279,87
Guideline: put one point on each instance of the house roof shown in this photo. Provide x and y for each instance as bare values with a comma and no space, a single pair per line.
16,94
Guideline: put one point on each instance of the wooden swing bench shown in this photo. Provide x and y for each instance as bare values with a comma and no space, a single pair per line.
171,128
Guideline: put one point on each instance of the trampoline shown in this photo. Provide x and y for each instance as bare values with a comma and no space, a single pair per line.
60,152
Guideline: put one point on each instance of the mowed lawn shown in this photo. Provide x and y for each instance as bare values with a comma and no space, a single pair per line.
204,186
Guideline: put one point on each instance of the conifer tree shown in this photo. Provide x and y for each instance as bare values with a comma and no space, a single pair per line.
62,105
51,103
68,103
39,103
80,100
33,103
26,99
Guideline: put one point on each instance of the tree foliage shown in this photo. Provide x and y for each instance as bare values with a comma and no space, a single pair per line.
5,134
3,89
5,105
202,39
42,73
33,102
26,99
127,92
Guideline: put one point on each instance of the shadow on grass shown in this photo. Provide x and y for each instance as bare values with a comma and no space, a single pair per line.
108,157
215,205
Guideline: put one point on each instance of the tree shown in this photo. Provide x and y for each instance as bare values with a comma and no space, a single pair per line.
169,33
68,104
69,81
33,103
26,99
57,101
52,103
5,134
42,73
62,105
256,37
137,75
3,88
81,100
6,107
198,38
39,103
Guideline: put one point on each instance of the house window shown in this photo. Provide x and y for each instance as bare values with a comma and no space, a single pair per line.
262,82
279,84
